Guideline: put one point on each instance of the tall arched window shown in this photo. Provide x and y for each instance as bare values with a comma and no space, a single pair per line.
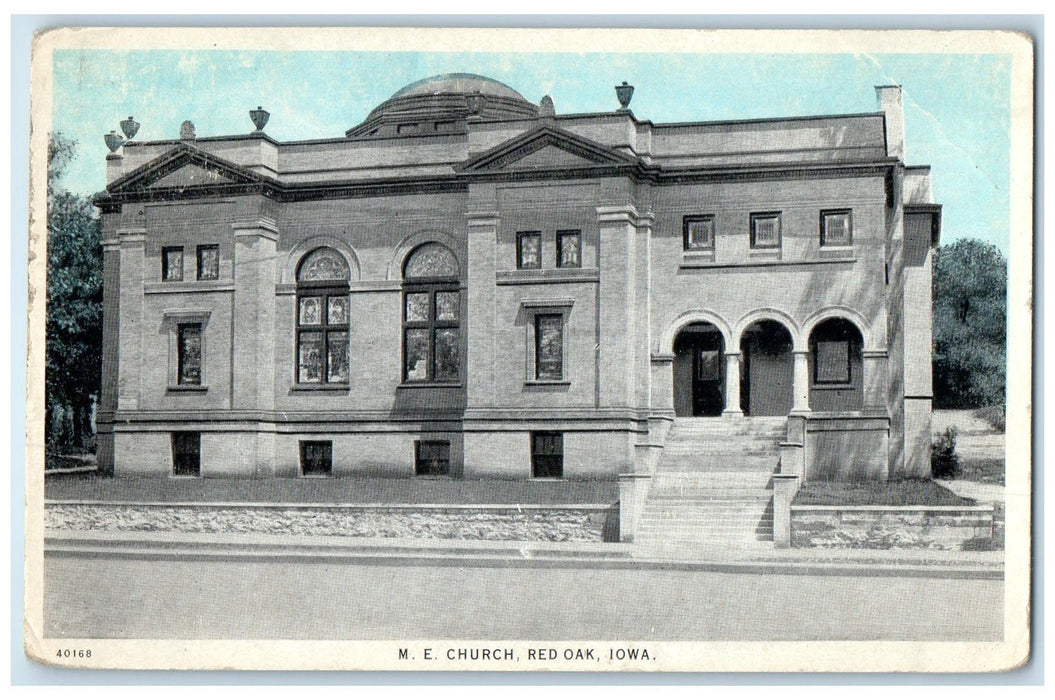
431,315
322,318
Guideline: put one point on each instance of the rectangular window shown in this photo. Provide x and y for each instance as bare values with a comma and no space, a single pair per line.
322,336
172,264
698,233
431,337
836,227
529,250
547,455
188,370
831,362
569,249
708,365
765,230
549,347
186,454
316,457
432,457
208,262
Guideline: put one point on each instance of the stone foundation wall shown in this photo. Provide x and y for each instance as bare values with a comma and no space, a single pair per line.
893,527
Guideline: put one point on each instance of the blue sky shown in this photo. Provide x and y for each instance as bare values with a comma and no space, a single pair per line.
957,106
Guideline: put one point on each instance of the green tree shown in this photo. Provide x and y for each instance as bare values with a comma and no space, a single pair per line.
74,307
970,325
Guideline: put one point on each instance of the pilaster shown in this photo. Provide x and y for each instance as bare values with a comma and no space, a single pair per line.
253,331
480,277
132,264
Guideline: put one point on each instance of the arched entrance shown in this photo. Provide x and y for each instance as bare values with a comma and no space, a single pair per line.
699,371
766,366
836,371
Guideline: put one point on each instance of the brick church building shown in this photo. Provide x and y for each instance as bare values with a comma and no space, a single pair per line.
471,284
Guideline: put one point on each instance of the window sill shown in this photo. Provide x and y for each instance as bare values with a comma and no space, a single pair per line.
760,261
559,275
187,388
316,476
547,382
430,385
823,387
698,256
188,287
334,388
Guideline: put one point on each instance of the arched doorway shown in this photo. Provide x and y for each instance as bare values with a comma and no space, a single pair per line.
699,371
766,366
836,376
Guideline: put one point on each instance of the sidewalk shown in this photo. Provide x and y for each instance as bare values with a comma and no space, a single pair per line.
506,554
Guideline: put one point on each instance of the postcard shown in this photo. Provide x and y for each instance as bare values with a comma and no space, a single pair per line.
530,350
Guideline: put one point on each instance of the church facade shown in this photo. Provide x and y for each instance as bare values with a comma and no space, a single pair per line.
470,284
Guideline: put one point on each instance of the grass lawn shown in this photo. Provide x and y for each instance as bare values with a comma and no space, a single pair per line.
982,470
908,492
93,487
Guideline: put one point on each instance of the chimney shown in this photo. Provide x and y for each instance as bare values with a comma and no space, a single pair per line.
889,99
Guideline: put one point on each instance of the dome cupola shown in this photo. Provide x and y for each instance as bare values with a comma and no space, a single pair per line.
440,104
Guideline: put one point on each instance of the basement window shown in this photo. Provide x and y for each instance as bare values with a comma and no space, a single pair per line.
316,458
547,455
186,454
432,457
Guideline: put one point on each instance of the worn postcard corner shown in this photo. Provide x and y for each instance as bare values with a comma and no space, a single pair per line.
581,350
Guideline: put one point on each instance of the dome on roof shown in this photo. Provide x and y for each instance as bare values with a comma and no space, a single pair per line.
458,84
441,104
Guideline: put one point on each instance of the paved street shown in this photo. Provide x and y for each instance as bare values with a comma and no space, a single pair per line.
128,598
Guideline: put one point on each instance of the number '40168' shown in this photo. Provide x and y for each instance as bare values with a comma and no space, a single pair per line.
74,653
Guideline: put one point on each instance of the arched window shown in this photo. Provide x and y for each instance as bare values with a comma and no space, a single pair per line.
322,318
431,315
836,370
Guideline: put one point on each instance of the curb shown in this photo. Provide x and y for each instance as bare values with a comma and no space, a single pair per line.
473,554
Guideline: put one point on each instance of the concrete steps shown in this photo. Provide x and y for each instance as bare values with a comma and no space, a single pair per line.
711,494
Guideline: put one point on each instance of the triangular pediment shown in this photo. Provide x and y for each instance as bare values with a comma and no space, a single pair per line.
191,174
182,167
547,148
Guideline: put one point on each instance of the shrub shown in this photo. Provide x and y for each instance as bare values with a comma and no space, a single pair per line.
944,464
993,415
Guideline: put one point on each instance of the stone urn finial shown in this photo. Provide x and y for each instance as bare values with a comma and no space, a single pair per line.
259,117
624,93
546,108
113,141
186,131
130,126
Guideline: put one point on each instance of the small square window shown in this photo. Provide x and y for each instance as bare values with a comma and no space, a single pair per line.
529,250
188,370
698,233
831,362
549,347
765,230
547,455
172,264
569,249
316,458
186,454
836,228
208,262
432,457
